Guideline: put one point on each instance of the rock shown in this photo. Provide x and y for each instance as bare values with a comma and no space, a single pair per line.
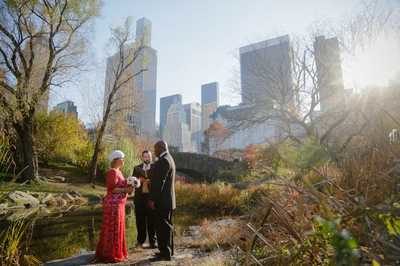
68,197
75,194
77,197
95,199
22,214
16,207
49,200
3,208
25,199
57,178
80,200
81,259
61,202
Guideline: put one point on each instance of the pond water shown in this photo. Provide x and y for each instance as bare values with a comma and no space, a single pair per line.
61,235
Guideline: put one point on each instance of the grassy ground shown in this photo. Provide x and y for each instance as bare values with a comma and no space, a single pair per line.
76,180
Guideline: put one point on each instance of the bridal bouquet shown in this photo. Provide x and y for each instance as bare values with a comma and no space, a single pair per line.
133,181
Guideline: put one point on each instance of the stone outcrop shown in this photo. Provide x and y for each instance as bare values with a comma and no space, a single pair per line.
23,198
18,200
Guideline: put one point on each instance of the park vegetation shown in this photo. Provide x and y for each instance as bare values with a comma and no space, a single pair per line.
330,198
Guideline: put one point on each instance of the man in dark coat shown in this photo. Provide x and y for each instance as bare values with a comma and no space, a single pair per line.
144,214
162,194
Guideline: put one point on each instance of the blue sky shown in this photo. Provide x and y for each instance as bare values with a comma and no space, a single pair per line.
197,40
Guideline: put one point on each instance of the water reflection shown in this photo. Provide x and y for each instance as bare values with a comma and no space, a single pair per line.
67,234
62,235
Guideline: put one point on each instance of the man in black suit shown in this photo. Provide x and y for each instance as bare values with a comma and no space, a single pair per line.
162,194
144,215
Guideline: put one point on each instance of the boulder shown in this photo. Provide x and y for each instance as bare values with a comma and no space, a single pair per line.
61,202
68,197
22,214
23,198
3,208
49,200
75,194
57,178
80,200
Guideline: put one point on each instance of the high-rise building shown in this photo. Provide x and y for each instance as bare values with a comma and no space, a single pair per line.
209,103
165,104
143,31
146,81
265,71
40,50
176,132
67,107
135,102
329,73
193,120
193,116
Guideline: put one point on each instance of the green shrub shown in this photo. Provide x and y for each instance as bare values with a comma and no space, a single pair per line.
303,157
344,245
128,147
60,138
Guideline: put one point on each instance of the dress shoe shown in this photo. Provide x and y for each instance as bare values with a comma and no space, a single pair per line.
160,258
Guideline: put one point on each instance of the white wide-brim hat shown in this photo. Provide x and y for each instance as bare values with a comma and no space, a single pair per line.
117,154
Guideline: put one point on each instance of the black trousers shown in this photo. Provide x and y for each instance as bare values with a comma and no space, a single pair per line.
165,232
145,220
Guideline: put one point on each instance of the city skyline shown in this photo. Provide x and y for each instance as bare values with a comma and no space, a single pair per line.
136,99
181,69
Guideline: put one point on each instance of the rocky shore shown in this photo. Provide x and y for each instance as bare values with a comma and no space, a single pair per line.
20,204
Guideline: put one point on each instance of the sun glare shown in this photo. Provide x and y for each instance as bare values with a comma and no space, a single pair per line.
374,65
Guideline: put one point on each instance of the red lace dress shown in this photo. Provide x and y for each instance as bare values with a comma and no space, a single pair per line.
112,243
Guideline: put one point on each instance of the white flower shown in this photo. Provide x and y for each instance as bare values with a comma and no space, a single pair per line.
133,181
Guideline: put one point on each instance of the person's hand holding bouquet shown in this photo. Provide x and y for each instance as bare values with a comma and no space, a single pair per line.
133,182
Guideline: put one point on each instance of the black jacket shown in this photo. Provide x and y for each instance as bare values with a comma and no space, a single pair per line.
162,176
139,172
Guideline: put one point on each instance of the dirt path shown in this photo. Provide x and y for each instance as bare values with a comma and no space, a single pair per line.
183,256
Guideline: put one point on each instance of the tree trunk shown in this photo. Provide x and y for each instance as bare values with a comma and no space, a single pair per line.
25,152
95,158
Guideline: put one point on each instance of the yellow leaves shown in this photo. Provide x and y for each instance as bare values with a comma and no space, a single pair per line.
59,136
375,263
86,8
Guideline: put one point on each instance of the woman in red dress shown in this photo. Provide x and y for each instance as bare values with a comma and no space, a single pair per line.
112,244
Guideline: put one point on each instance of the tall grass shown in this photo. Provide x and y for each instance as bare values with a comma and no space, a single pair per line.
14,244
6,157
331,213
216,198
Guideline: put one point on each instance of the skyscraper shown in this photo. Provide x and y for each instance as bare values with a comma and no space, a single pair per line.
193,116
165,104
209,103
329,73
176,132
193,120
143,31
40,50
146,81
265,71
67,107
136,100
